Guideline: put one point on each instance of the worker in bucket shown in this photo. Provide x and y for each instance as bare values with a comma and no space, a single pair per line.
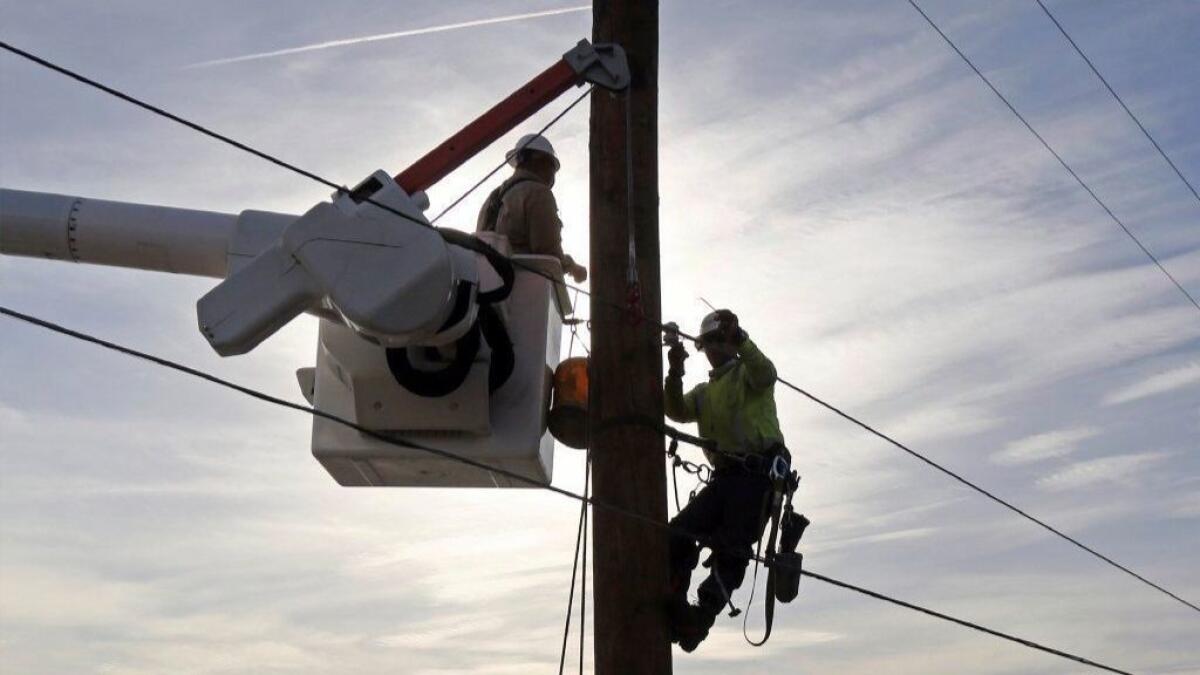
523,207
735,411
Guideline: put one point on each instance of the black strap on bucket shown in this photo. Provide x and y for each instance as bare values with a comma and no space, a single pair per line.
436,383
496,259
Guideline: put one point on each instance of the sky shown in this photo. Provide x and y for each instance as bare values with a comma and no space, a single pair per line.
888,233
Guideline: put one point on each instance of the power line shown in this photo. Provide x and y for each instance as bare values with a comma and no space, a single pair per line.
1119,100
961,622
171,116
999,500
657,326
1051,150
585,500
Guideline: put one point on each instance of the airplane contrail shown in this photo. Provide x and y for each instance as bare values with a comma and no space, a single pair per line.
385,36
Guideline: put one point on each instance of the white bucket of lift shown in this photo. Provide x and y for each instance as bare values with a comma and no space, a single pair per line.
506,429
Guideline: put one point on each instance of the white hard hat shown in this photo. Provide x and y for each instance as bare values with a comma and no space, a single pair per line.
708,326
531,142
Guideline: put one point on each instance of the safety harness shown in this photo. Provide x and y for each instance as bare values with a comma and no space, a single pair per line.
491,207
784,563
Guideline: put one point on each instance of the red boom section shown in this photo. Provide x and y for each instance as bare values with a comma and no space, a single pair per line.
489,126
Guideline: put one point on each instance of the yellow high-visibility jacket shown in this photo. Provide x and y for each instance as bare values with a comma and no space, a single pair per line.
735,408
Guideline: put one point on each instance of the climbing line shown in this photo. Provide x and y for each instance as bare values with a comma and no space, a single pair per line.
1052,151
445,454
648,324
1121,101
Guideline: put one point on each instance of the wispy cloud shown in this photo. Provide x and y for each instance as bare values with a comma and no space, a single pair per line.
1157,384
1044,446
1103,470
363,39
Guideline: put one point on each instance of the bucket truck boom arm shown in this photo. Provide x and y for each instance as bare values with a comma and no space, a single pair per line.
395,281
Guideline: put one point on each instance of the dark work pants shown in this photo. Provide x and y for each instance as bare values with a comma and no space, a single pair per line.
728,515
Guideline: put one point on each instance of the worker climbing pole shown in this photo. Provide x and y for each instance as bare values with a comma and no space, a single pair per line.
630,559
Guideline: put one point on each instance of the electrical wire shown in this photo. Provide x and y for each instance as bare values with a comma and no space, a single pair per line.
1116,96
657,326
1052,151
584,499
999,500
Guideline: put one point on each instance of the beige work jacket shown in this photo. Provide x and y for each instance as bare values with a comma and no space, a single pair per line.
528,216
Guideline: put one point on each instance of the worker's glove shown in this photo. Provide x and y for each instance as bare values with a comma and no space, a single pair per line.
676,355
730,329
578,273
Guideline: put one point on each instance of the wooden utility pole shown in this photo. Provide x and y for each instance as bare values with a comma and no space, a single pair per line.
628,467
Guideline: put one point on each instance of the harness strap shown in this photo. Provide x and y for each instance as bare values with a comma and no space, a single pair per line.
495,201
773,503
432,384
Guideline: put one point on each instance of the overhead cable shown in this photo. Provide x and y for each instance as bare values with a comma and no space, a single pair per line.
586,500
999,500
1057,156
1121,101
657,326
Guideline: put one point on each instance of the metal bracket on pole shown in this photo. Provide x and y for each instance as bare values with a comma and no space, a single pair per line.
604,65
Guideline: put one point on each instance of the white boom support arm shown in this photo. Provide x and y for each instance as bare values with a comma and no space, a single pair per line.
393,280
158,238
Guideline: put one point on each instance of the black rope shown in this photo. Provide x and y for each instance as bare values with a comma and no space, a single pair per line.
982,491
1119,100
587,493
1066,166
579,544
501,165
657,326
586,500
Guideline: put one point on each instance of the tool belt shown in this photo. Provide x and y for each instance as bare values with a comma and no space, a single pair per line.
765,463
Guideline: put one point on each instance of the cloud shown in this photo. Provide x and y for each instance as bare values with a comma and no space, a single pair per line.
1116,469
1154,385
331,44
1044,446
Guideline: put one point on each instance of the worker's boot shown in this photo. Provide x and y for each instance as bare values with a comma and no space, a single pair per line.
690,626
